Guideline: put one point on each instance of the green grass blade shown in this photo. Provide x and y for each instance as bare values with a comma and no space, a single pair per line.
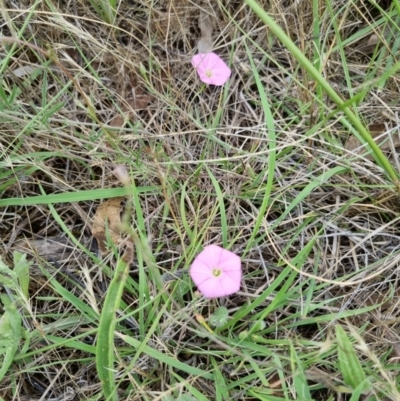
307,190
299,378
196,393
10,335
73,196
164,358
85,309
305,63
349,365
269,121
220,198
221,391
21,268
185,222
105,339
357,393
245,310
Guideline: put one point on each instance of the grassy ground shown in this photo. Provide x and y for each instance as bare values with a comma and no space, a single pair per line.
279,165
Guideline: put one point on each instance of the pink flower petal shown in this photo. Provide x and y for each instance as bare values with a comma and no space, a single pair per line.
198,59
220,287
211,68
229,285
235,276
210,255
215,257
228,256
199,272
232,264
211,288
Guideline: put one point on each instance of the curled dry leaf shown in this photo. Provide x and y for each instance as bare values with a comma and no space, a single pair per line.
26,70
127,257
368,44
139,101
118,121
107,219
276,385
56,248
382,137
204,45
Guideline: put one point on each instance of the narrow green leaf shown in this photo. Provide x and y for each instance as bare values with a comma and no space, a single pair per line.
73,196
85,309
21,268
307,190
185,223
8,277
349,365
314,73
221,205
248,308
10,336
164,358
105,340
270,123
195,395
299,378
221,390
71,343
359,390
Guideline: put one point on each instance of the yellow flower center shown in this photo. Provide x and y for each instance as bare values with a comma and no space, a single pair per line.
209,73
216,272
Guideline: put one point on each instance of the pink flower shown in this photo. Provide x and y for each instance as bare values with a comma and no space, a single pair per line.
211,68
216,272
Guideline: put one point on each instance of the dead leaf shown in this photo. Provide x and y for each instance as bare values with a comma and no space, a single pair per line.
317,375
107,221
26,70
206,25
127,257
118,121
48,248
276,385
367,45
379,134
73,54
140,100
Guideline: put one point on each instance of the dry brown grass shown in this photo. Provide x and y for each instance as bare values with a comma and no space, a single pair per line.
136,101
